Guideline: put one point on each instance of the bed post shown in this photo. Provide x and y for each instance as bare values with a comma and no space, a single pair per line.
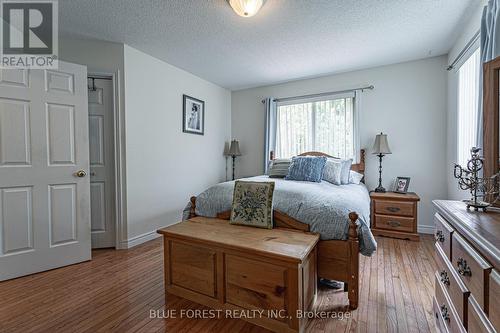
192,210
362,161
353,284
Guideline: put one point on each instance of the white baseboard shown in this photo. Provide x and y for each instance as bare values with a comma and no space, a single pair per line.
137,240
425,229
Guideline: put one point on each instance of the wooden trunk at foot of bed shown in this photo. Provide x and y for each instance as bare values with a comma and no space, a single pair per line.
337,259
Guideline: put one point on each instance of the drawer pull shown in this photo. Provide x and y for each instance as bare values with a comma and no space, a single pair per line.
439,236
279,290
444,278
463,268
393,209
444,313
394,223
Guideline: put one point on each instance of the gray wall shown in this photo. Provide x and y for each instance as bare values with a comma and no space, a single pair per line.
408,103
164,165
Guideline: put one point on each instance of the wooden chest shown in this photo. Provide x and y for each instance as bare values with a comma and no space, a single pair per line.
468,257
238,268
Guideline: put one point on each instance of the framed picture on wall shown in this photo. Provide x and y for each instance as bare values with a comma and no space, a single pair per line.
402,184
193,115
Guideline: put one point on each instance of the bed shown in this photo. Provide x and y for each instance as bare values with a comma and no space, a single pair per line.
340,214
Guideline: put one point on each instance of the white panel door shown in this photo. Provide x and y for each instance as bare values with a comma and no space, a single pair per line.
44,204
102,166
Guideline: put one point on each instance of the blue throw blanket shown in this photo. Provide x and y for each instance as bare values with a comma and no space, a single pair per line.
323,206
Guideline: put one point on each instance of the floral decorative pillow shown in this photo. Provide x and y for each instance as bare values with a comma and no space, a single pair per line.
253,204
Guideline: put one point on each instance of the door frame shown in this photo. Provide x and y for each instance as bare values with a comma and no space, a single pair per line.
119,149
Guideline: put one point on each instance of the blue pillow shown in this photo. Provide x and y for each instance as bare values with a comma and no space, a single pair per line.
306,168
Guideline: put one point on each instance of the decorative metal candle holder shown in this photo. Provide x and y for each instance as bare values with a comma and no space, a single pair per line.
468,179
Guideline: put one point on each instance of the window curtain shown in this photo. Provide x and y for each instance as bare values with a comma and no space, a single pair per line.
490,49
270,141
357,131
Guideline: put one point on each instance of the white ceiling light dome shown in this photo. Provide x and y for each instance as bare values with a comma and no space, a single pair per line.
246,8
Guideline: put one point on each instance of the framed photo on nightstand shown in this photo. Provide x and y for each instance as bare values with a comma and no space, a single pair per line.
402,184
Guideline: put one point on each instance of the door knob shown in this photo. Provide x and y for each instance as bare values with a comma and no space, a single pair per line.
80,173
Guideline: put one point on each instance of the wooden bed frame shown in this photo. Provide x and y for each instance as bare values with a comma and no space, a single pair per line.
337,259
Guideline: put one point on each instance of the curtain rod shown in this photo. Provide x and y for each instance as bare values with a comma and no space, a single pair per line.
464,51
371,87
99,77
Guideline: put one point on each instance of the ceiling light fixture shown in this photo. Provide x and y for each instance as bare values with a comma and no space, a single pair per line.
246,8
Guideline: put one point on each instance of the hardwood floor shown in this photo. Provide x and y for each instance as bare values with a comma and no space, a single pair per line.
116,291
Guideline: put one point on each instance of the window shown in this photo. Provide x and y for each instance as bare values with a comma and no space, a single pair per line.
468,87
326,125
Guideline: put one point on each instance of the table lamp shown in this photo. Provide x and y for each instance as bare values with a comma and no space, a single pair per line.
234,150
380,148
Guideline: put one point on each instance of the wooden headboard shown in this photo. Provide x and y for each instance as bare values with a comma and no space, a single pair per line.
359,167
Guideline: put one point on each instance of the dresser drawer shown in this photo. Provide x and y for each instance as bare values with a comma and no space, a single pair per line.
494,302
395,223
478,322
395,208
472,268
443,234
457,291
440,324
446,309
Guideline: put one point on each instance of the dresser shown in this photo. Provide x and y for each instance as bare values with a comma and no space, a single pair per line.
467,281
394,214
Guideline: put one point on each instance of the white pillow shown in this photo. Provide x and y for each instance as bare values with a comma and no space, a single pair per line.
332,171
355,177
346,168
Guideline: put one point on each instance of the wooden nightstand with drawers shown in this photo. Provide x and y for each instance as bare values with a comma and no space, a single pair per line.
394,214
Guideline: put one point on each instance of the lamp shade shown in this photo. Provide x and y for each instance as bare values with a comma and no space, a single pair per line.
234,150
380,146
246,8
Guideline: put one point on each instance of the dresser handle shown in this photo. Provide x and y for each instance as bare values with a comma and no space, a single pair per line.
279,290
394,223
463,268
393,209
439,236
444,313
444,278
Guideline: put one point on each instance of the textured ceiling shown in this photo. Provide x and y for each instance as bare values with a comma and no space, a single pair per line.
286,40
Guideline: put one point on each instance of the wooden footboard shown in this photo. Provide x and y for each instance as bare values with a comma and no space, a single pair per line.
337,259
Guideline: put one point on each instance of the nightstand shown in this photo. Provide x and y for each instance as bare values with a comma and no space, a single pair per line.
394,214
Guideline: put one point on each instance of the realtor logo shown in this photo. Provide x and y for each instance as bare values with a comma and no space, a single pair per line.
28,35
